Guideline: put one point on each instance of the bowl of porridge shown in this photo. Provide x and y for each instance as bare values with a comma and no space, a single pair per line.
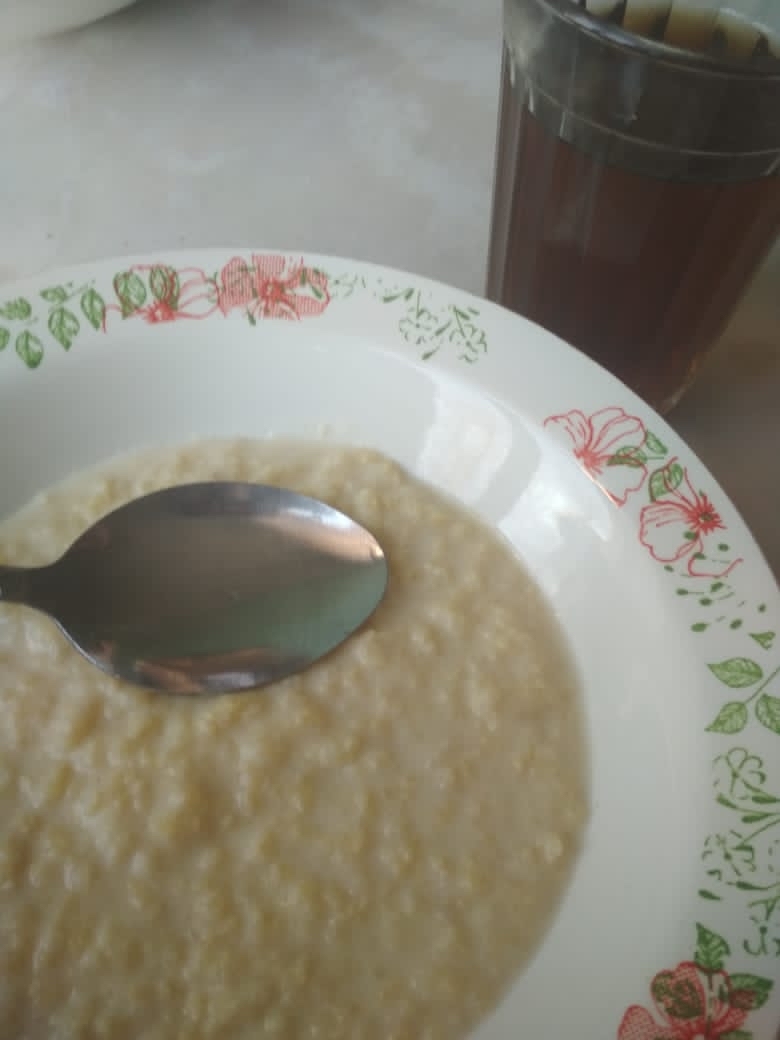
510,782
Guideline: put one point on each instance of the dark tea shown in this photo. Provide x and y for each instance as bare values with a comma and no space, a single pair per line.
634,243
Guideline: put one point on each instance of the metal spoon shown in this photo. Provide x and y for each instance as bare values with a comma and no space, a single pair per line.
209,588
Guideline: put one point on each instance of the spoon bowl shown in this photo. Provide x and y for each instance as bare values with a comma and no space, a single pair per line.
209,588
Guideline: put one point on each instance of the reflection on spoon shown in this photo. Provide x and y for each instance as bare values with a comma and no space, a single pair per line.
209,588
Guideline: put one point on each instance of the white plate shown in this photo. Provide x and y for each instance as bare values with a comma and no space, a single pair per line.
670,929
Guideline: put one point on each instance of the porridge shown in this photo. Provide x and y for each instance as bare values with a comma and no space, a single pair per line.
371,848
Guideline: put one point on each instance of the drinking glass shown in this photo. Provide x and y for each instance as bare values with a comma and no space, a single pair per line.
637,180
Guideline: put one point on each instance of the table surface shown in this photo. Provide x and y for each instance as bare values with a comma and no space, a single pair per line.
362,130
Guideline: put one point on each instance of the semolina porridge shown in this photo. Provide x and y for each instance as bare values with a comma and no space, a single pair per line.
371,848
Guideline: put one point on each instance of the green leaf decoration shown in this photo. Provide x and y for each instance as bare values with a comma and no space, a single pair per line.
755,817
93,308
768,712
711,949
16,310
677,998
764,639
736,1034
56,294
751,991
654,444
30,349
64,326
628,456
737,672
164,283
732,718
130,291
5,337
761,798
666,480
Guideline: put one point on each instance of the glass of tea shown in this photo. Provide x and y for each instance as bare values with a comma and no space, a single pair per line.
637,183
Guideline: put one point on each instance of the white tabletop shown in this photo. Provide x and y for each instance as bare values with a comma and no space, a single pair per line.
359,129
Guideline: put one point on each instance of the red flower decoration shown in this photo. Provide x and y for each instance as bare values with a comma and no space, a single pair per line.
236,285
272,287
690,1004
607,445
680,525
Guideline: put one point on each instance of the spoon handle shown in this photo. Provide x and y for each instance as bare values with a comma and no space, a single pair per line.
15,584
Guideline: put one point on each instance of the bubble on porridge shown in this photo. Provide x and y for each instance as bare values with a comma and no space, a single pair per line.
372,848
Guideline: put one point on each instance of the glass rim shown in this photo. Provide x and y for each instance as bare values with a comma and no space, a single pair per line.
574,12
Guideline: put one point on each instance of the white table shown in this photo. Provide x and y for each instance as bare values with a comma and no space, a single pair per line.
364,129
